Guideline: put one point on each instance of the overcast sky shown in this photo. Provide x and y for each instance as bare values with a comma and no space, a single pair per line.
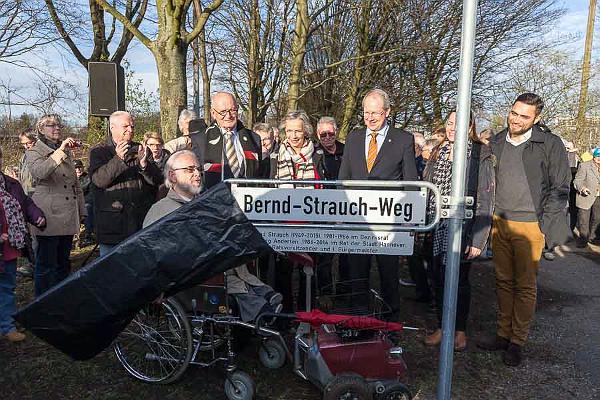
571,26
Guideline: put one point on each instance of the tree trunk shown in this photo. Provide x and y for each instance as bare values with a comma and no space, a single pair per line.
253,64
205,76
171,63
298,51
351,97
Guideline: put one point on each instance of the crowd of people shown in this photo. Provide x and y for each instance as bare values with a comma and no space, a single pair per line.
524,181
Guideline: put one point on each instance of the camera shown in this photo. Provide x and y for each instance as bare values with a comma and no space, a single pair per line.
132,150
76,143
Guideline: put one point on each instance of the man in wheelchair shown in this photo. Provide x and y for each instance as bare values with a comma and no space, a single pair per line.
183,178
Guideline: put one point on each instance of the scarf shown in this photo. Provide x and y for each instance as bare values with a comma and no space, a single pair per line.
17,229
442,178
52,145
296,166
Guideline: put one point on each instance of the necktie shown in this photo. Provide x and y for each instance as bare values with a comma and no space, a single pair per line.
231,154
372,151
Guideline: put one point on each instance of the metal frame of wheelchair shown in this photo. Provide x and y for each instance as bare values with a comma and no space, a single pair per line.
164,338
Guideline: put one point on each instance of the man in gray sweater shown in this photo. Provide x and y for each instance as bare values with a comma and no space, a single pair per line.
532,188
183,178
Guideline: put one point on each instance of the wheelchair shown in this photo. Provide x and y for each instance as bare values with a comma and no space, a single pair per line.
194,327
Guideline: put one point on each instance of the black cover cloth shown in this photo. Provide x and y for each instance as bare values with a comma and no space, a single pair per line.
82,315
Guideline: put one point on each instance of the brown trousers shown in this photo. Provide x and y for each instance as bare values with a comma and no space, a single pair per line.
517,251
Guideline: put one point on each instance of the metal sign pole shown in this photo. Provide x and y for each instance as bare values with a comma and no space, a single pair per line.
459,165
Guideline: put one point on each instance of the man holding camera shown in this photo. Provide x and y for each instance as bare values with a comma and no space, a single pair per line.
125,183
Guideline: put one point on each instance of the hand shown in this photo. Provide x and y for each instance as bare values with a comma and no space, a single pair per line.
68,143
121,150
143,155
585,191
41,221
472,252
3,237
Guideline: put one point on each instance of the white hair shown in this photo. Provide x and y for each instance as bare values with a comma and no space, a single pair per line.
382,94
118,114
301,115
171,161
186,115
327,121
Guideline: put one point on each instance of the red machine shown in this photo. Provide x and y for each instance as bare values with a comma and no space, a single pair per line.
346,352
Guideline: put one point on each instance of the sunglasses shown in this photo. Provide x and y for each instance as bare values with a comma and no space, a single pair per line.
326,133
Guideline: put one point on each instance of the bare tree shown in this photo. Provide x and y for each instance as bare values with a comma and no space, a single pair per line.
20,23
169,49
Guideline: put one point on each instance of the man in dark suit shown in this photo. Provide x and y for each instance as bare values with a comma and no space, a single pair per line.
227,148
379,152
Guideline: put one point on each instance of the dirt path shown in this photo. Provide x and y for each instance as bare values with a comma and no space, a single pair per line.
562,360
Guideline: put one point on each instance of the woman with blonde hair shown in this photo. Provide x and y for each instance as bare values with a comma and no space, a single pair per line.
59,195
296,159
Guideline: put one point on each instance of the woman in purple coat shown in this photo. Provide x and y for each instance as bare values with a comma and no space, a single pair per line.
16,209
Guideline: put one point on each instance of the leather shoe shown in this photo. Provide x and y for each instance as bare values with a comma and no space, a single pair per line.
434,339
493,344
512,355
15,336
460,341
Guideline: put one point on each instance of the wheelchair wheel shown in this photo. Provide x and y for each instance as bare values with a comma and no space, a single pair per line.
239,386
343,387
396,391
156,346
272,354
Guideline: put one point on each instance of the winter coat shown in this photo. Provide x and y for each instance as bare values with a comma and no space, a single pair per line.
588,176
57,191
30,210
25,177
208,147
480,184
548,177
167,205
123,192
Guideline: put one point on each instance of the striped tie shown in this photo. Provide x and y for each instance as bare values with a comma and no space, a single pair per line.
231,155
372,151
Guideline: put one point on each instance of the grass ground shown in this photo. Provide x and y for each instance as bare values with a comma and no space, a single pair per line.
34,370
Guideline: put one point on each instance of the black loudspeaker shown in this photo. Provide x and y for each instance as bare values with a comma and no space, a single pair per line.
107,88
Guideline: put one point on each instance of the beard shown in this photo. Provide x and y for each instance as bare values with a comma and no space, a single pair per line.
189,188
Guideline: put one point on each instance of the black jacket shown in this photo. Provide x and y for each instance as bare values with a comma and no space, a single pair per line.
395,160
332,162
208,147
123,193
480,184
549,176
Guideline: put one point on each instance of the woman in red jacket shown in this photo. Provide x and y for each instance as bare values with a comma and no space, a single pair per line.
16,209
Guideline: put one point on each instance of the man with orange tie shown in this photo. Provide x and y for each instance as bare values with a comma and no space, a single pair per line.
379,152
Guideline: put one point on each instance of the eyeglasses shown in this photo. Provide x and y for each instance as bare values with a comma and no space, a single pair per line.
190,169
233,112
53,126
373,114
26,143
326,133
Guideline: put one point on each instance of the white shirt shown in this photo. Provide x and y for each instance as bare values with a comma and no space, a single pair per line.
526,135
381,134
